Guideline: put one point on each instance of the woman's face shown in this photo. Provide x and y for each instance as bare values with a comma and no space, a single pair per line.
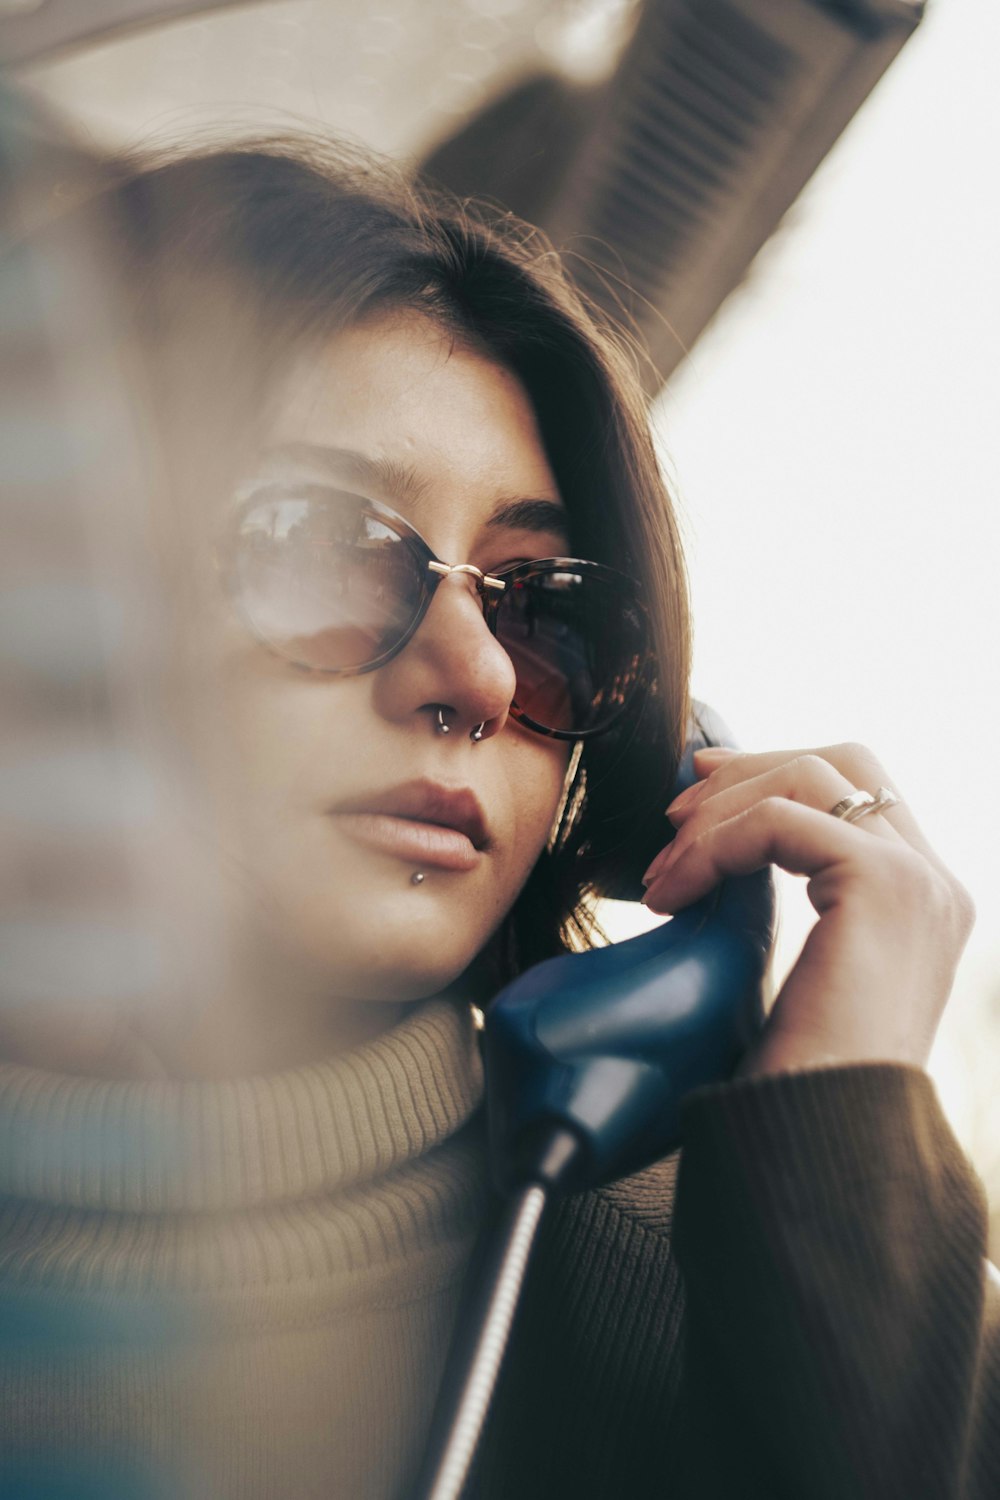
318,768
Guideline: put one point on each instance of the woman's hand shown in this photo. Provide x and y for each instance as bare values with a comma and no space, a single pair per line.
875,973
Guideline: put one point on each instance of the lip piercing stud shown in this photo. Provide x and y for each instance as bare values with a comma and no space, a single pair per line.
418,877
477,733
443,728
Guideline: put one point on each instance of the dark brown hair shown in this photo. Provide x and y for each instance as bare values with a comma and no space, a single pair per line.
314,237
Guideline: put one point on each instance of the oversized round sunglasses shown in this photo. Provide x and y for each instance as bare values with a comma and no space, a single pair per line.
338,583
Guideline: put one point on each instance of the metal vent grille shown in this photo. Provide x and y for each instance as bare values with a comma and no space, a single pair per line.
684,163
699,95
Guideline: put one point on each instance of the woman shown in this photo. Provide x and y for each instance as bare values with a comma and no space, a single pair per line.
240,1221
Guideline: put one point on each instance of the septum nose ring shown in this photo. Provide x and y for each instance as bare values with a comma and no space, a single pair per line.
443,727
484,581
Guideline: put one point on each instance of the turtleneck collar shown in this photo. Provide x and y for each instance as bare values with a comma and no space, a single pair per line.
159,1146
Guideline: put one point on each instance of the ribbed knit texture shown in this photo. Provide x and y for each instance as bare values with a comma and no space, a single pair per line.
236,1289
153,1147
801,1313
831,1218
245,1291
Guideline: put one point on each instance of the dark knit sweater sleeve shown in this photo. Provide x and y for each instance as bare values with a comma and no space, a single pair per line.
841,1322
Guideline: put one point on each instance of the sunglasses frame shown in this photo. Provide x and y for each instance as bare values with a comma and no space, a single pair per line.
490,587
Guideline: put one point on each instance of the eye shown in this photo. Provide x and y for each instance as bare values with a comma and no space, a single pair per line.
552,547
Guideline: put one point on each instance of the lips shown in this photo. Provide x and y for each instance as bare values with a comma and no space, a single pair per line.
419,821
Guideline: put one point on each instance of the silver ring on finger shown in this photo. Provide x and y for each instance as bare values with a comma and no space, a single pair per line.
858,805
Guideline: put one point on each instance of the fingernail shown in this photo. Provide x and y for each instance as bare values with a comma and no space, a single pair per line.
656,866
655,895
714,754
661,863
686,798
659,886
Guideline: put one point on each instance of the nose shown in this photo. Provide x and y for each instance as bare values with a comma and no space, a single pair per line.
453,670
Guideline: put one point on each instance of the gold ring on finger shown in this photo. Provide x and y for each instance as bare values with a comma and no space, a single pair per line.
859,804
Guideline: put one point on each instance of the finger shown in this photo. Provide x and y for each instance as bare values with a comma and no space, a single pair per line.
808,779
855,762
710,757
776,831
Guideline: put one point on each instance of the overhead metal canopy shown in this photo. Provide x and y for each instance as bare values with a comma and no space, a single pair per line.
662,164
666,181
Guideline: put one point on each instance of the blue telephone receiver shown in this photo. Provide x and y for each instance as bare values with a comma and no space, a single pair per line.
607,1043
587,1058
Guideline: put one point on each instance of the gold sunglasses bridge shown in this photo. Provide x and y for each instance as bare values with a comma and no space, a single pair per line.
482,578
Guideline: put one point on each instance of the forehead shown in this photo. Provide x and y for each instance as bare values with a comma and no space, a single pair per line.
399,407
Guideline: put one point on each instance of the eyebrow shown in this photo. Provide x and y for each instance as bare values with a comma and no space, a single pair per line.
530,515
519,513
384,474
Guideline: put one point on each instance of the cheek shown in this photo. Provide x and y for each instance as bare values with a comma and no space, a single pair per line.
283,747
536,771
279,751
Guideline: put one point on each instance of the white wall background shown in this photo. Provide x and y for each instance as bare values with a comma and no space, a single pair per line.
834,442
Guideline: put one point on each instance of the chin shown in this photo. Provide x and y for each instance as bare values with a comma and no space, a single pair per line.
403,949
400,979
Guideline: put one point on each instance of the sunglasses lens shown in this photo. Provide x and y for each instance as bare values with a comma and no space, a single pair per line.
577,643
326,582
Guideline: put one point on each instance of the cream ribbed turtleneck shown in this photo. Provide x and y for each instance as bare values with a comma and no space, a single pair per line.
240,1288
